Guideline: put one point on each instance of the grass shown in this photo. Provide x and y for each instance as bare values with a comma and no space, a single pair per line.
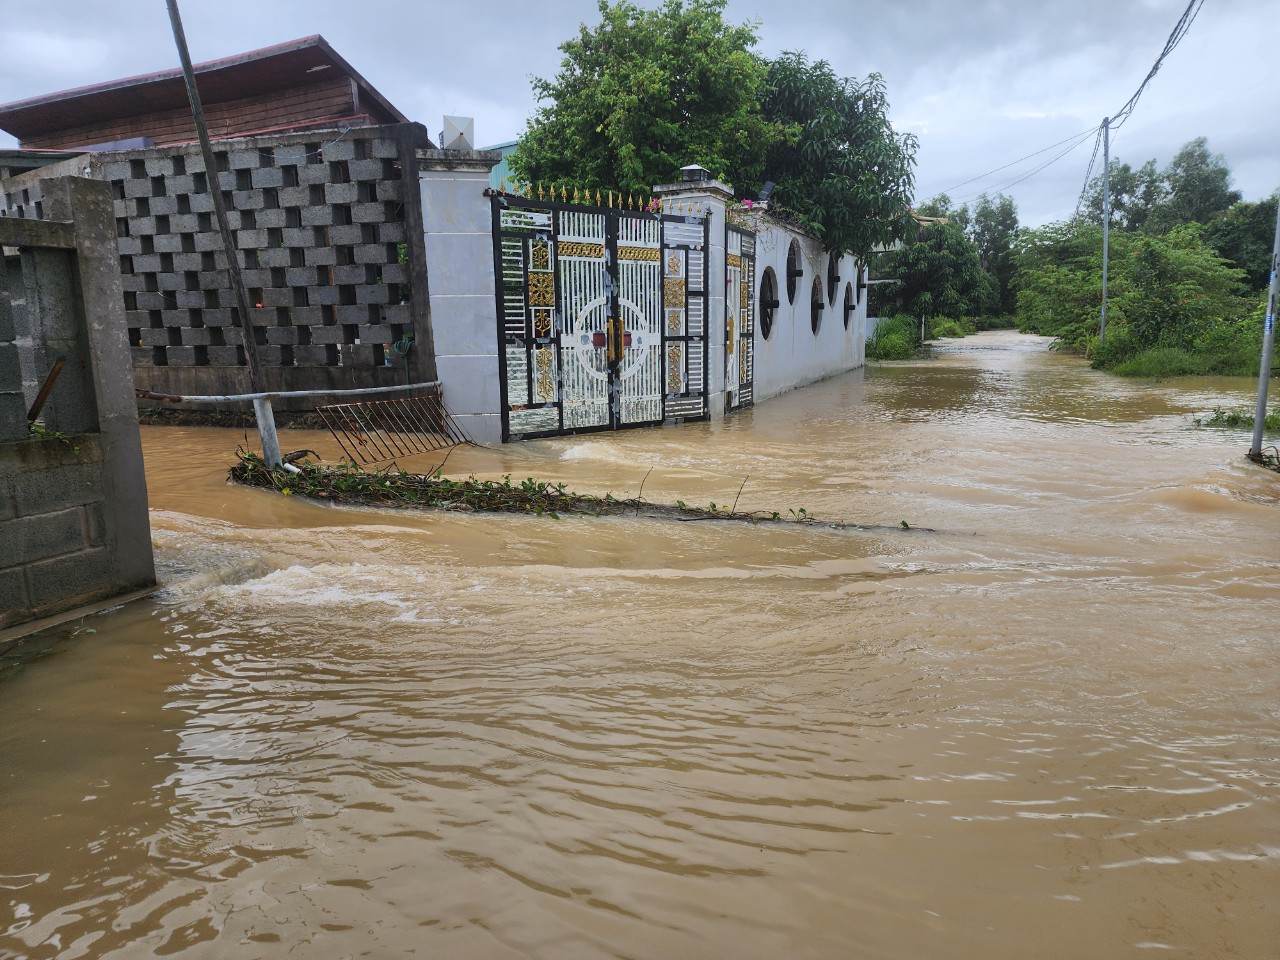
894,339
347,483
1239,418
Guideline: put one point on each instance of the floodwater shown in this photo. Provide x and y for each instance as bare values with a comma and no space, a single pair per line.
1049,729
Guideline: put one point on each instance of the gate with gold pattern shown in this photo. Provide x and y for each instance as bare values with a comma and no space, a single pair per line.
739,318
602,316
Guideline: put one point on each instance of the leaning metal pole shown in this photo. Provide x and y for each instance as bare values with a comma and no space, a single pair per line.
266,431
1268,343
1106,220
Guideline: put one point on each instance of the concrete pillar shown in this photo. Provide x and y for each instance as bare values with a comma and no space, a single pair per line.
458,241
87,204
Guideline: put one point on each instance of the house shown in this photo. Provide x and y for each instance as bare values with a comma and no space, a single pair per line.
290,87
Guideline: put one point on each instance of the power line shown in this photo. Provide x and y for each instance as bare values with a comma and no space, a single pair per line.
1078,140
1012,163
1088,174
1180,30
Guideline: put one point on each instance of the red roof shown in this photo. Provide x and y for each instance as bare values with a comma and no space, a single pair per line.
280,67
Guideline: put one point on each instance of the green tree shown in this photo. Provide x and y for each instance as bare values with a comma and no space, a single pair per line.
1171,297
993,230
1058,280
1194,188
1244,235
645,92
839,166
939,274
1199,187
1135,194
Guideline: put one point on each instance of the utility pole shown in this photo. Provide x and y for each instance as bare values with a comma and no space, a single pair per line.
1106,219
1268,342
219,207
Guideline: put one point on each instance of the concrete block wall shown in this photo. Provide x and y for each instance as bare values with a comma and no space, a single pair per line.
326,225
54,553
73,508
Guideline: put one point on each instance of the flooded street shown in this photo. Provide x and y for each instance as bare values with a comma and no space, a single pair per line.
1049,728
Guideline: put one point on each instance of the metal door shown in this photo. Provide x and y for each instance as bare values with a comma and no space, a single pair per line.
739,318
602,316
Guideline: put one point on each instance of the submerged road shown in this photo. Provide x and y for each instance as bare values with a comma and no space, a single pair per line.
1048,730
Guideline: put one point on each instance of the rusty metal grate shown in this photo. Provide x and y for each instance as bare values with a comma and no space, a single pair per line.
379,430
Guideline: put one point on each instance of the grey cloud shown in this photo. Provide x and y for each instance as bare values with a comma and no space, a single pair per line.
981,83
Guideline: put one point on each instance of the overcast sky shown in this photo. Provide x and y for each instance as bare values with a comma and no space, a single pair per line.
980,83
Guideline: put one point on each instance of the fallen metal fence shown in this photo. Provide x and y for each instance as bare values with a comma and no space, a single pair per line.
375,431
367,431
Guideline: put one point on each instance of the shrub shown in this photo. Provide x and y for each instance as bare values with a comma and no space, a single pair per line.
893,346
1161,362
1004,322
894,339
948,328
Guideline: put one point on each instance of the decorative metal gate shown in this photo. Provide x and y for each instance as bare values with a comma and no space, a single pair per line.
739,318
602,316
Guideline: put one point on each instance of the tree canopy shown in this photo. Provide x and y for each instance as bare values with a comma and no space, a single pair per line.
993,231
1194,188
1244,235
838,164
1169,292
645,92
938,269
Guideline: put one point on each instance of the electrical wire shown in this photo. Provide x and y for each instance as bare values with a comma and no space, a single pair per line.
1180,30
1088,174
1026,176
983,176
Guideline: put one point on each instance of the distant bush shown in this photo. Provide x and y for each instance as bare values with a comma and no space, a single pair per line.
894,339
893,346
1004,322
949,328
1162,362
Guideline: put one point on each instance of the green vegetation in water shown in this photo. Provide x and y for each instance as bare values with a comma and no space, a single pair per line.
896,338
347,483
1238,418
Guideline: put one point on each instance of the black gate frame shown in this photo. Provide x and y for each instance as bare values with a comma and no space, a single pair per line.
689,405
744,396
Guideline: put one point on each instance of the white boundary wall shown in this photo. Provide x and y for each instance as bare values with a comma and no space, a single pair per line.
792,355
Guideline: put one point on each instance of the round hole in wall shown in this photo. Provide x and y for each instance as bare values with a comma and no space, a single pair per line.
768,301
833,277
850,304
794,270
815,306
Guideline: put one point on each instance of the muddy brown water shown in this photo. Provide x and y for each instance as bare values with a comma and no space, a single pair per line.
1050,729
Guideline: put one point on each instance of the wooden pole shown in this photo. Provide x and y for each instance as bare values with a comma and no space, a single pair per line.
219,208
